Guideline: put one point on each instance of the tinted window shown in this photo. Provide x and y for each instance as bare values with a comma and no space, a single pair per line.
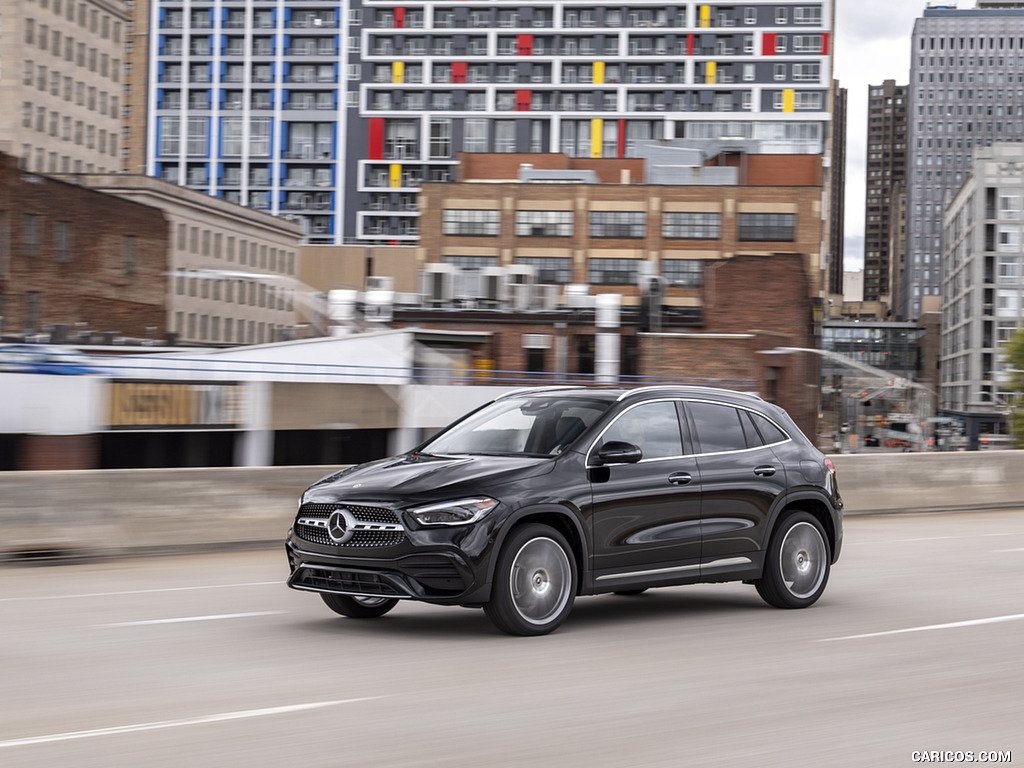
718,427
769,431
652,426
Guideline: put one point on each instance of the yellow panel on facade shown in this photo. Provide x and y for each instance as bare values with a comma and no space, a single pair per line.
398,72
788,98
710,72
596,135
395,175
598,72
705,15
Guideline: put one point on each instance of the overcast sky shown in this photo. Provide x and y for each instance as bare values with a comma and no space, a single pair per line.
872,44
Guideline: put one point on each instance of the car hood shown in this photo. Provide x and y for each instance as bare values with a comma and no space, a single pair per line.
425,477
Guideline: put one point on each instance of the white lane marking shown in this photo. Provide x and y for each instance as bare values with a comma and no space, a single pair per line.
223,717
212,617
951,625
140,591
949,538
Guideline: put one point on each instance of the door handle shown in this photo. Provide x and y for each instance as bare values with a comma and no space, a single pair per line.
765,470
680,478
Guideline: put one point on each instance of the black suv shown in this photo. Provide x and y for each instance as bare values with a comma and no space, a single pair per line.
543,495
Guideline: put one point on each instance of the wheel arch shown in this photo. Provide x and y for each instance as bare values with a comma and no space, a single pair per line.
815,506
560,520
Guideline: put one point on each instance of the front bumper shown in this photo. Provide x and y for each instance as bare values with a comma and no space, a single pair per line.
438,577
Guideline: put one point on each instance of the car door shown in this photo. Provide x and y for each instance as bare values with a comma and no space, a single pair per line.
741,478
645,516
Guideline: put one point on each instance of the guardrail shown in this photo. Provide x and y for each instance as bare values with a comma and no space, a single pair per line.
148,511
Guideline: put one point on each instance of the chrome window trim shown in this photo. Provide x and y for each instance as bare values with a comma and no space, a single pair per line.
683,399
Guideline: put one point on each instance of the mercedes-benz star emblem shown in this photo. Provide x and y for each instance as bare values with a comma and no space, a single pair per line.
341,526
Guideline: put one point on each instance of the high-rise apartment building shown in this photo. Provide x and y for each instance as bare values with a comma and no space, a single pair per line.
886,170
983,291
333,113
61,66
836,216
966,91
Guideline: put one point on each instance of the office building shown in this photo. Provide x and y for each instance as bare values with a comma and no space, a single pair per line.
886,171
61,65
966,91
983,284
334,114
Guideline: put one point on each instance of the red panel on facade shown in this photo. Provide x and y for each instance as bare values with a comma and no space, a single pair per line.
458,71
824,43
399,18
768,46
376,149
622,138
689,45
523,99
524,45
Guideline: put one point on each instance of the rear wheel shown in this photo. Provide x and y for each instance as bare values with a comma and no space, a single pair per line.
358,607
797,565
534,583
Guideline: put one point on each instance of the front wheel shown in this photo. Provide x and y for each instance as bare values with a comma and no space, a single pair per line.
797,565
358,607
534,583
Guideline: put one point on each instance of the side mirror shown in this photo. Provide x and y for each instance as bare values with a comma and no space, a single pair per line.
617,452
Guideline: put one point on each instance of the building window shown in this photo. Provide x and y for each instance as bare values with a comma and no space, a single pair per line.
624,224
612,271
62,240
685,273
810,14
30,234
472,263
441,138
32,299
553,270
471,222
779,227
544,223
691,226
474,135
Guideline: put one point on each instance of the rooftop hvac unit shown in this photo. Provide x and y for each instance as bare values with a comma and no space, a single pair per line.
547,296
437,283
577,296
378,306
520,296
521,274
381,283
492,285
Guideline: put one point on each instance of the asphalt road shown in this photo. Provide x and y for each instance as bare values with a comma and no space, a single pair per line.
209,660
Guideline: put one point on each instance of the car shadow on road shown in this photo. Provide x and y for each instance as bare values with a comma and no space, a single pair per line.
588,613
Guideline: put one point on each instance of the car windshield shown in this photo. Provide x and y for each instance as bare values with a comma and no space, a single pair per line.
520,426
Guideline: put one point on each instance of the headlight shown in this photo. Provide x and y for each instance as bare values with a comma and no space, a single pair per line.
459,512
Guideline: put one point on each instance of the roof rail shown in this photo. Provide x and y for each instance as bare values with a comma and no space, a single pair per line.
525,390
655,387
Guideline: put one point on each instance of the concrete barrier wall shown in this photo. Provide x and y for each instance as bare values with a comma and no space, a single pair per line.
122,512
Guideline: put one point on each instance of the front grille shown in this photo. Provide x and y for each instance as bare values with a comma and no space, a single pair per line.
364,515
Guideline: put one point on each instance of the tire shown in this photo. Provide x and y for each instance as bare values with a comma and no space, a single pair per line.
534,582
797,564
358,607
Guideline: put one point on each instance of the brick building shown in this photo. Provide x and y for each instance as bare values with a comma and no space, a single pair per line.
70,255
710,274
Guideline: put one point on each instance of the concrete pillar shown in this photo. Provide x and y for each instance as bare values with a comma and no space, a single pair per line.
607,344
255,448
